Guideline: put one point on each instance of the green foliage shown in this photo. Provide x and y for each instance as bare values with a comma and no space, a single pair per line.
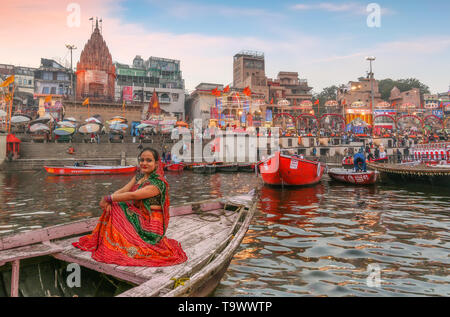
386,85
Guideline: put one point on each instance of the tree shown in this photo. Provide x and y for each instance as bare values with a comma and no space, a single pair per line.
328,93
386,85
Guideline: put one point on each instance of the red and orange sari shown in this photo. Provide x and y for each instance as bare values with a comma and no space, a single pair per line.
132,234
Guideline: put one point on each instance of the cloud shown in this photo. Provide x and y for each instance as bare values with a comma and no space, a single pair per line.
347,7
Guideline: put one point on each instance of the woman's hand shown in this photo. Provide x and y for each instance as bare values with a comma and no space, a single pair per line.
105,205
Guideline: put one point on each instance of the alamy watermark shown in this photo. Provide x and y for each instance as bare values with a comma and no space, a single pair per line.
374,17
223,146
74,278
74,18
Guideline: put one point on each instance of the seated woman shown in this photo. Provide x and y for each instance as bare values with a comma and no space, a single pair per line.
133,233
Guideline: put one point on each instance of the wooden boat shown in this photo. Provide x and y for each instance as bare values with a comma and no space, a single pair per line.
248,168
204,169
227,168
415,172
290,170
172,167
210,232
89,170
349,176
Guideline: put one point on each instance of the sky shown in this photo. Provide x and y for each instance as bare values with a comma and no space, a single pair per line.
326,42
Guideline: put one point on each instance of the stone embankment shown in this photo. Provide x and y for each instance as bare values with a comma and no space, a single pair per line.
33,156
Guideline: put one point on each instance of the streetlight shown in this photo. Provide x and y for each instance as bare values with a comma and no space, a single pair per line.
371,59
71,48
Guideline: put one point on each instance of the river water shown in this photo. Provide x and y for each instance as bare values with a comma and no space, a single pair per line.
330,239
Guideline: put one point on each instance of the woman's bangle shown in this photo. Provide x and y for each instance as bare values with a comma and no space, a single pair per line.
108,199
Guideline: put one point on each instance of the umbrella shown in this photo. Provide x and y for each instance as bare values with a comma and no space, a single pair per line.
19,119
143,125
93,120
40,120
89,128
70,119
39,127
64,131
66,124
118,126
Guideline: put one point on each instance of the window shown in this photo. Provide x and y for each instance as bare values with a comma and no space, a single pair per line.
45,90
175,97
61,76
53,91
47,76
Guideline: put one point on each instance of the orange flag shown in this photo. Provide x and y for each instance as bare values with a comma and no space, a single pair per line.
317,102
8,81
271,101
85,102
226,89
214,92
247,91
48,99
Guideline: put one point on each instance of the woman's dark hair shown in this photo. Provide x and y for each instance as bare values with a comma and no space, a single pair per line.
152,150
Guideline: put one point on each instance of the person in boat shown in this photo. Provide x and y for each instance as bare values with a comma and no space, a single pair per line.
359,162
131,231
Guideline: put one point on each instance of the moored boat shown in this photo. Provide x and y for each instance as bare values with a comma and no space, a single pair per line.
290,170
349,176
89,170
210,232
204,169
227,168
248,168
174,167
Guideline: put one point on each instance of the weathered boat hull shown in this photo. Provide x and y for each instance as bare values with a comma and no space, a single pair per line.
290,171
247,168
89,170
356,178
210,232
227,168
204,169
412,174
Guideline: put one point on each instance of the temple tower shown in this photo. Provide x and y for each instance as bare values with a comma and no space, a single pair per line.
95,71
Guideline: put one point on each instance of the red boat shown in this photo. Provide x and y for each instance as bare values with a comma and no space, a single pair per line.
172,167
89,170
290,170
348,176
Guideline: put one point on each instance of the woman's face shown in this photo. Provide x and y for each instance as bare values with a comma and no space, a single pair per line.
147,162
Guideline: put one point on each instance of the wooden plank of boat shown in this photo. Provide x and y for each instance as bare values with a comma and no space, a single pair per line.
227,168
203,240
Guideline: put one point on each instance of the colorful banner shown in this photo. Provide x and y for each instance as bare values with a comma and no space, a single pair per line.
127,93
438,113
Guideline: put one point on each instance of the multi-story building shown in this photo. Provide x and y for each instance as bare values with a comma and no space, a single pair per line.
290,87
51,78
249,71
356,98
136,83
23,80
200,102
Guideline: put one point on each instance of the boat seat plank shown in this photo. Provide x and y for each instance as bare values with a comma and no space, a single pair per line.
159,278
28,251
189,240
195,230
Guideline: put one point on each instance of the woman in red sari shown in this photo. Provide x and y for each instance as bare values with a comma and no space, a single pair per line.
133,234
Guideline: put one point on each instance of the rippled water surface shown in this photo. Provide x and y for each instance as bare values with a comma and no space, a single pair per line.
327,240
